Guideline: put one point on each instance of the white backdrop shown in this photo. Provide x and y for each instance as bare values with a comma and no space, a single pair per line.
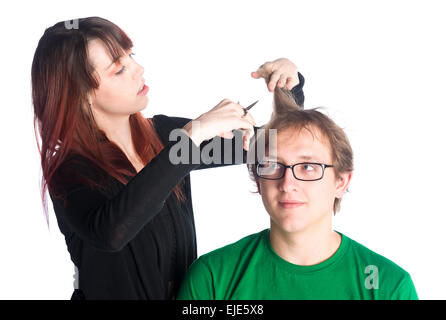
377,66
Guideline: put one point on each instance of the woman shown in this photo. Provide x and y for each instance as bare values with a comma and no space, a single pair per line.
125,210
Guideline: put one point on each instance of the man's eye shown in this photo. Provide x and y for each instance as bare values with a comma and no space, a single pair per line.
131,54
269,165
308,167
275,166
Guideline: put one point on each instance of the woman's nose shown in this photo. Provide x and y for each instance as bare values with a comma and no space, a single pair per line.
139,72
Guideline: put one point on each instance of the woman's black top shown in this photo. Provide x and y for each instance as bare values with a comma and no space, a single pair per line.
135,241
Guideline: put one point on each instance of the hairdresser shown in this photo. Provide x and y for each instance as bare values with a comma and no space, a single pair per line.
123,206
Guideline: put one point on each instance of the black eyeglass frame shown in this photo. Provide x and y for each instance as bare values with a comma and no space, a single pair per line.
323,165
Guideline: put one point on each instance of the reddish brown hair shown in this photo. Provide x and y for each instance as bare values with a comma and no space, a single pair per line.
61,77
288,115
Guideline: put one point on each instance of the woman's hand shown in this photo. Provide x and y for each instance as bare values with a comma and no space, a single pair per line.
281,72
220,121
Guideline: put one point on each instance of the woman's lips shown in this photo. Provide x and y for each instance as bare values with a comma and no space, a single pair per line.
143,91
291,204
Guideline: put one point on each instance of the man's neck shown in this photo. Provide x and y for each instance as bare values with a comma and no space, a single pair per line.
307,247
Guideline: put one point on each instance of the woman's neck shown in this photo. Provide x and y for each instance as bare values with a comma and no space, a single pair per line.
117,129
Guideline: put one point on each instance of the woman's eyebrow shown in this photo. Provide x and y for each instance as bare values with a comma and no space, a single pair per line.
114,62
118,61
109,66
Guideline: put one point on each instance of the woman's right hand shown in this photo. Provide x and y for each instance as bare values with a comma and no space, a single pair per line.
220,121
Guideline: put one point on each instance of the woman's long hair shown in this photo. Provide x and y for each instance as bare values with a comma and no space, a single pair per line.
62,76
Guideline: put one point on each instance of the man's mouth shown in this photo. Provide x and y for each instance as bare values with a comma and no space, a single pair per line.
290,204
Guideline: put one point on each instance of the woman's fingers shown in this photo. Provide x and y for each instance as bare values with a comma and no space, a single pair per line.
222,119
282,81
278,73
245,143
244,124
292,82
263,71
250,118
247,135
255,75
241,113
227,135
275,76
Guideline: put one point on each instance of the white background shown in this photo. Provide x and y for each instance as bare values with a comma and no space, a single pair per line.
377,66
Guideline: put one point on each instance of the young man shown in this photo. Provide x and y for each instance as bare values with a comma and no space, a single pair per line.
300,257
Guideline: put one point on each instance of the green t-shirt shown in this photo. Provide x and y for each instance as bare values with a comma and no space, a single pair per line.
249,269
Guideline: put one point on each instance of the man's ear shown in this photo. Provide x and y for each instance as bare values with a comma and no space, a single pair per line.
342,183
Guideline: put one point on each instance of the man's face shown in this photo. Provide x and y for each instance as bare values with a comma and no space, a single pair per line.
314,198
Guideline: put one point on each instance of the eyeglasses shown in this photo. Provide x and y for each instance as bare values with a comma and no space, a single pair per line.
304,171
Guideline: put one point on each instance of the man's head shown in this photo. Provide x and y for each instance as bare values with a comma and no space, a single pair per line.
314,142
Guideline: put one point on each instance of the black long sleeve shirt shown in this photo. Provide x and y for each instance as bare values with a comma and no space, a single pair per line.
136,241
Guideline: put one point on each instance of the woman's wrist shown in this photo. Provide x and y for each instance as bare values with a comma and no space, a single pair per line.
193,132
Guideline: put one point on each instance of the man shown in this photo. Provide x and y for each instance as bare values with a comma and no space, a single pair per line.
301,182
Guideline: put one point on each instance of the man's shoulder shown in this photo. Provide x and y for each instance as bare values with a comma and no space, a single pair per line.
375,261
394,281
234,250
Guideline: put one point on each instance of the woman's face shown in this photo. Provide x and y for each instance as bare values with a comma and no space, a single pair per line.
119,92
314,198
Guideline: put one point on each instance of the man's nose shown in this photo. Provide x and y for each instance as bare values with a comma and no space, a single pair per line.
288,182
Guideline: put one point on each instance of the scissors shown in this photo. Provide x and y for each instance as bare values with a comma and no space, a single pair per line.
248,107
246,111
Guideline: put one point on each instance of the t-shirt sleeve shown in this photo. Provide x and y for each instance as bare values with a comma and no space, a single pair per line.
405,290
108,224
198,283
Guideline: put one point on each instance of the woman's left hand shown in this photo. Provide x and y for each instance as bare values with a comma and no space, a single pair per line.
281,72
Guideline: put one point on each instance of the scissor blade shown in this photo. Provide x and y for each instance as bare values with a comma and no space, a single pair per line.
251,105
